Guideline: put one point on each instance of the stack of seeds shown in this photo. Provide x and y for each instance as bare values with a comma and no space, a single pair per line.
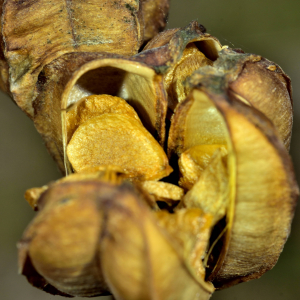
178,174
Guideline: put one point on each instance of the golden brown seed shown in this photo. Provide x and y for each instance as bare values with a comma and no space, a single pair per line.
210,192
163,191
112,139
96,105
193,162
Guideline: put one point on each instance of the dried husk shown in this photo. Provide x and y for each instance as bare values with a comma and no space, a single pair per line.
94,235
186,50
191,229
142,261
47,30
262,84
262,186
58,251
59,245
165,50
265,86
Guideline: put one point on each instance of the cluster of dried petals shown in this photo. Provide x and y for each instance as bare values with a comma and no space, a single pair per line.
124,223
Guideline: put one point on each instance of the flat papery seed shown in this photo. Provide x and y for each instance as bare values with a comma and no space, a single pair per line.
193,162
95,105
210,192
190,228
112,139
191,60
163,191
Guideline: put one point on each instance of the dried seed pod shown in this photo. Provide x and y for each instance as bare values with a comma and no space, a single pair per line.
66,82
140,260
71,77
59,250
61,242
47,30
239,191
189,49
89,238
262,186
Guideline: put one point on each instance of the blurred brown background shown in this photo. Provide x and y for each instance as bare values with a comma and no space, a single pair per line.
266,27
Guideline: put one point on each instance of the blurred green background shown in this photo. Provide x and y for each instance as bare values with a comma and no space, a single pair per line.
265,27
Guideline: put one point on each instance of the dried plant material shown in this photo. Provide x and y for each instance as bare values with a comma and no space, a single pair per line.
111,174
191,60
33,194
261,183
196,123
163,191
178,53
210,192
155,13
47,30
93,106
250,80
95,232
269,194
74,76
194,161
112,139
89,238
269,91
60,244
108,173
140,260
69,77
191,229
